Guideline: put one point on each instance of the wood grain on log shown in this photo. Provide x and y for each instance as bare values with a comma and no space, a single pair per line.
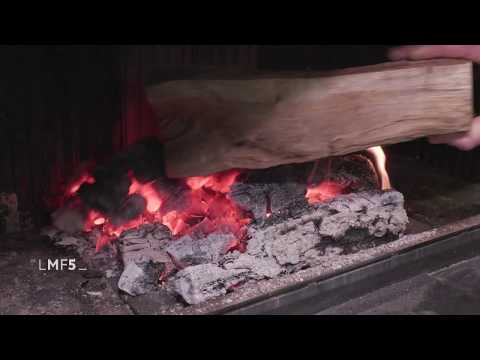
268,120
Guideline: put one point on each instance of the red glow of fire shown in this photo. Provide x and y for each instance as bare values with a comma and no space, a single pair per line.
209,210
174,222
325,191
93,219
75,185
99,221
148,192
328,189
219,182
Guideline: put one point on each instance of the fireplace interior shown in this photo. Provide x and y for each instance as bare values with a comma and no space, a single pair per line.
83,178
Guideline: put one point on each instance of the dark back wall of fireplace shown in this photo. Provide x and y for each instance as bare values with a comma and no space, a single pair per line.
57,106
63,105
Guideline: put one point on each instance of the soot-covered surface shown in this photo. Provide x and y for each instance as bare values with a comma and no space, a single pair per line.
28,291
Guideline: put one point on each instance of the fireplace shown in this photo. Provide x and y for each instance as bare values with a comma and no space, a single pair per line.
269,240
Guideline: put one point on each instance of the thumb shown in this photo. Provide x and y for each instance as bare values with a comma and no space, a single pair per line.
466,141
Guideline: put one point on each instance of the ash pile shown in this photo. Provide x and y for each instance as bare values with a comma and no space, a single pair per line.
300,216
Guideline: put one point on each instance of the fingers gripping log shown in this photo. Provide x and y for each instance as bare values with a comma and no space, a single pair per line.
255,122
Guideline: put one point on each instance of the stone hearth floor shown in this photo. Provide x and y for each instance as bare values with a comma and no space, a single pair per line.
27,290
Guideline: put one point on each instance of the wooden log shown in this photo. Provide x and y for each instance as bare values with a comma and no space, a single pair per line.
275,194
256,122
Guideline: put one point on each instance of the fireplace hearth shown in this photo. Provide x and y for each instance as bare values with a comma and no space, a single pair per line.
297,238
435,224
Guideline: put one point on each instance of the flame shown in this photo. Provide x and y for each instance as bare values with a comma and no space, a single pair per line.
380,164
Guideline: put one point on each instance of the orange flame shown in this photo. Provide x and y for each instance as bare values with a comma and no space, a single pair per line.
380,164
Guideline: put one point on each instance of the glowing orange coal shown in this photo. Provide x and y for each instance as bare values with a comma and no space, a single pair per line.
208,210
325,191
148,192
221,182
84,178
329,189
174,222
93,218
207,207
380,165
99,221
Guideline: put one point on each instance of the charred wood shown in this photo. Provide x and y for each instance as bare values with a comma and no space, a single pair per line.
145,244
346,224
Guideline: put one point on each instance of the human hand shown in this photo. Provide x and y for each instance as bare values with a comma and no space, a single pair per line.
466,141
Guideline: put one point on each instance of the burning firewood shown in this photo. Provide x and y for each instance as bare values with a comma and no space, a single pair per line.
270,191
341,226
257,122
201,237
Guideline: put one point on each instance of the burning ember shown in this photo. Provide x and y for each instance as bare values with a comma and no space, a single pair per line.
327,190
197,206
205,209
219,182
148,192
84,178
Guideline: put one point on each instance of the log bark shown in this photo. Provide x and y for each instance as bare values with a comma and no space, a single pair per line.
210,125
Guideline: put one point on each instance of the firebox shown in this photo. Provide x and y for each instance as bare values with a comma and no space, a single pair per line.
91,202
